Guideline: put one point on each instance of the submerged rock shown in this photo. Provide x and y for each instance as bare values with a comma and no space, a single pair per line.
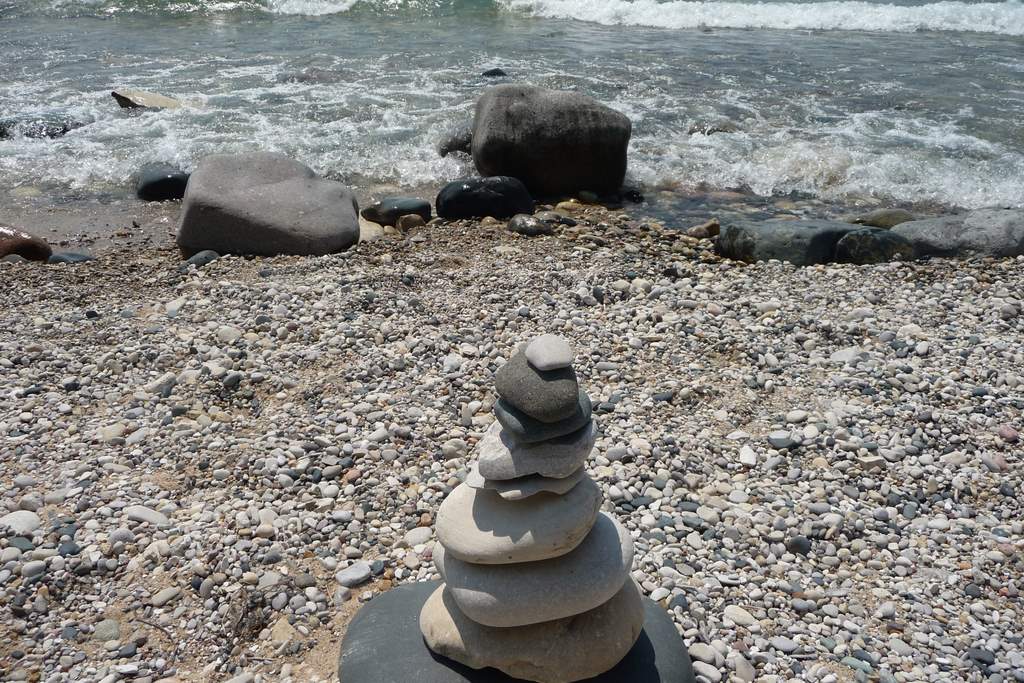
458,139
160,182
556,142
265,204
38,127
882,218
801,243
14,242
985,232
873,245
497,196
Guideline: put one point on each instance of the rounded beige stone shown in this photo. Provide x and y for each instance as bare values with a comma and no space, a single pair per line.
532,592
479,526
571,649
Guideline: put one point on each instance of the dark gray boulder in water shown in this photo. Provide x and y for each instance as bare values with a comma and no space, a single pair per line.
985,232
801,243
556,142
388,210
159,182
458,139
497,196
873,245
38,127
265,204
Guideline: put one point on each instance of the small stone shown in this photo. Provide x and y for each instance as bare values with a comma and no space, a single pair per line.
165,596
739,616
529,226
21,522
108,629
526,429
139,513
354,575
502,457
549,352
521,488
545,395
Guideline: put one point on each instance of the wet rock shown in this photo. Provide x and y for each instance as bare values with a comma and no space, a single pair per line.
985,232
141,99
457,139
882,218
388,210
497,196
530,226
801,243
872,245
556,142
159,182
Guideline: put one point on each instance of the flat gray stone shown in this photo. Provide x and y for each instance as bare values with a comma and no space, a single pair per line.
479,526
549,352
502,457
21,522
532,592
545,395
526,429
391,623
265,204
355,574
139,513
165,596
571,649
524,487
108,629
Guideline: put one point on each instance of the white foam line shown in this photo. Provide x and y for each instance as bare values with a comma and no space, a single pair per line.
1006,18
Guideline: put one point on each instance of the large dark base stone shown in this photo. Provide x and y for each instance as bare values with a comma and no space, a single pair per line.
383,644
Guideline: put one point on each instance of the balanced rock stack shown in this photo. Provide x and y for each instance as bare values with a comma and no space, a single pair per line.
536,577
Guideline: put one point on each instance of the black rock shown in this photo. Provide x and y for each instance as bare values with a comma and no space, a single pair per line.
556,142
798,545
388,210
390,623
160,182
554,218
200,259
873,245
530,226
526,429
69,257
494,73
458,139
497,196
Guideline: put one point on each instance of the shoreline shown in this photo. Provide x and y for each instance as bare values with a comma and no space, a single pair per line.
805,457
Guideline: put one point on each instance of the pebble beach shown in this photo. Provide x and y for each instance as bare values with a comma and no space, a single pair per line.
206,471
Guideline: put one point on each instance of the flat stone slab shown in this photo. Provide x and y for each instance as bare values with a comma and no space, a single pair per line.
501,457
479,526
383,643
532,592
524,487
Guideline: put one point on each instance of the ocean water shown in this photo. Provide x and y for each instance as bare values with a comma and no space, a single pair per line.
907,103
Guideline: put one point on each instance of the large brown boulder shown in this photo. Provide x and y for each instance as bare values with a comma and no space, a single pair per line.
556,142
20,243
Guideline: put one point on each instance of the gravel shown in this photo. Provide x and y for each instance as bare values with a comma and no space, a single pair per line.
819,467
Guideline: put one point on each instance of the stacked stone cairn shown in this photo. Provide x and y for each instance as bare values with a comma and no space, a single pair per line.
536,578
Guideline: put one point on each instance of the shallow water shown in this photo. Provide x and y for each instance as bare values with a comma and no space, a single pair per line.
918,104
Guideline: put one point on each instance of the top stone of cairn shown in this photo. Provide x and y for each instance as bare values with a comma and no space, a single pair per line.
549,352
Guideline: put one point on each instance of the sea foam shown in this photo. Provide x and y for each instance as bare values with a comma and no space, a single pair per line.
1005,18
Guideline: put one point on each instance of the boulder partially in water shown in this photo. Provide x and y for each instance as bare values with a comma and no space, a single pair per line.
141,99
497,196
985,232
457,139
159,182
873,245
556,142
265,204
14,242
